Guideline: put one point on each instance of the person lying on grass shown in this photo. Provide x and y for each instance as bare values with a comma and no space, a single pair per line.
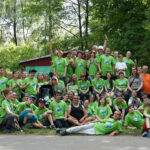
26,113
134,119
44,115
109,126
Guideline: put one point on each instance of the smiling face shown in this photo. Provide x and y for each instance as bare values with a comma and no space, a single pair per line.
117,115
85,104
75,99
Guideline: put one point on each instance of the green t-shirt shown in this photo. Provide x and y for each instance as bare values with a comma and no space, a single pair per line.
53,57
71,88
59,109
3,83
83,85
62,83
135,119
108,86
129,62
5,104
122,83
69,67
107,126
122,105
92,67
60,65
103,111
108,100
23,106
12,83
106,64
39,113
31,89
42,83
80,67
98,84
89,111
147,112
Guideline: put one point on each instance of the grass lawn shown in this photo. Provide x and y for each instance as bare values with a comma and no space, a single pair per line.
53,132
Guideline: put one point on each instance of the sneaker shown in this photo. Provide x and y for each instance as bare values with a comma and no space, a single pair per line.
145,134
58,130
63,132
52,126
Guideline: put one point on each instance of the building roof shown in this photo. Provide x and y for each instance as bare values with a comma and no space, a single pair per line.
46,56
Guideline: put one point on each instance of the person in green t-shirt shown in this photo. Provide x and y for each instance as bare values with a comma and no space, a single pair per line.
92,66
71,86
134,119
30,84
79,65
70,66
15,84
144,103
109,85
115,55
107,63
3,83
44,115
147,120
14,100
103,111
60,66
54,56
121,85
26,111
98,85
129,62
111,126
60,110
83,86
120,105
67,100
8,118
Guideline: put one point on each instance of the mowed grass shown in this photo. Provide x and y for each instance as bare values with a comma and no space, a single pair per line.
34,131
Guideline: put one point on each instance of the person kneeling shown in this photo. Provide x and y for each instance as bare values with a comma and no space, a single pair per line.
109,126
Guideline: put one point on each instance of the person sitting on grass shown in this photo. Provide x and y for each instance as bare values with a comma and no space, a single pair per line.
120,105
8,118
134,119
147,121
60,110
103,111
144,104
44,115
26,113
111,126
14,100
76,113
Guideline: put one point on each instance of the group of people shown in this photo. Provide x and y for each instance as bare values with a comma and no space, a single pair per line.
95,92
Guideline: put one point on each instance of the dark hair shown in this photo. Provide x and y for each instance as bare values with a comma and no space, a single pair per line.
6,92
137,74
111,79
130,105
118,94
15,71
100,100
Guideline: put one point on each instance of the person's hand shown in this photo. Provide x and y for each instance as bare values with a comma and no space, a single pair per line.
65,119
106,38
112,134
81,120
64,75
49,111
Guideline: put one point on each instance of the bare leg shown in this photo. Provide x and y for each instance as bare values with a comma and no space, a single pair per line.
74,121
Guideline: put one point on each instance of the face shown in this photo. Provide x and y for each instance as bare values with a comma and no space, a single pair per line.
32,74
74,77
60,54
115,54
128,54
24,74
58,97
131,110
14,95
146,100
69,55
30,101
134,94
139,69
46,77
91,99
41,104
133,71
16,74
119,97
116,115
79,55
40,76
9,75
9,95
24,99
121,75
108,75
85,104
145,69
83,78
54,81
75,100
148,107
71,95
86,52
98,75
121,58
1,71
107,51
102,101
55,52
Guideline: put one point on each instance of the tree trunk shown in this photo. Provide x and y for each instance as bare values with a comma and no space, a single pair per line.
80,24
15,23
86,23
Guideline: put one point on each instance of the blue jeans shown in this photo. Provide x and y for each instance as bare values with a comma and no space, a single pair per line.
24,114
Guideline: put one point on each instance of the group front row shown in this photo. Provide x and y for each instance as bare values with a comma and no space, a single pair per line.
88,117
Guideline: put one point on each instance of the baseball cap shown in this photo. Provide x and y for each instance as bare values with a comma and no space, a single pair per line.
82,75
101,47
31,96
41,100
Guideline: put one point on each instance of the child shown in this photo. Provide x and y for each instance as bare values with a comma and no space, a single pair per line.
44,115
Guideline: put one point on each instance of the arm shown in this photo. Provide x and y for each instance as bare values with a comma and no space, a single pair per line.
114,133
140,87
85,115
129,87
51,51
69,111
65,71
105,42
